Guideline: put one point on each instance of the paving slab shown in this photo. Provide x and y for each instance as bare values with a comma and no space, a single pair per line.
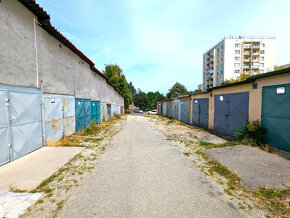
12,205
255,167
29,171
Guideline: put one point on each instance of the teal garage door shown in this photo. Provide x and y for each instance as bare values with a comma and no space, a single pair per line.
95,112
83,113
276,115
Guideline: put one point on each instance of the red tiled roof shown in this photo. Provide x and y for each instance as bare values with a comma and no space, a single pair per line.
44,19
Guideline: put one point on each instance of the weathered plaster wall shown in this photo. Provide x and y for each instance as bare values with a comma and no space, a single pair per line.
61,70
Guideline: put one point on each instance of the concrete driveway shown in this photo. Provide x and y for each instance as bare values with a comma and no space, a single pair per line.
144,175
29,171
256,168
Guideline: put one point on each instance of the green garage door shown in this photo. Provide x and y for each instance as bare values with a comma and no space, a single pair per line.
276,115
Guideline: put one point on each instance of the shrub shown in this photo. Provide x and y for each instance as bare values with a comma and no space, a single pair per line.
252,132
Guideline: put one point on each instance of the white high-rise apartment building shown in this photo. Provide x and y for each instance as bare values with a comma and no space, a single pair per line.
234,56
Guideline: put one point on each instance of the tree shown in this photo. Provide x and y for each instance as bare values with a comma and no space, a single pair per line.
240,78
116,76
141,100
176,90
132,90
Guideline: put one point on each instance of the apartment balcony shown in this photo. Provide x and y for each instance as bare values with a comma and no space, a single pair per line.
256,46
256,53
255,66
247,59
247,46
246,53
247,66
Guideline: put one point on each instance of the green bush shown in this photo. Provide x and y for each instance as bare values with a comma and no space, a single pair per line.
252,132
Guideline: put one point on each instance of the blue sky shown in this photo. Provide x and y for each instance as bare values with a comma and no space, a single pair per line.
158,43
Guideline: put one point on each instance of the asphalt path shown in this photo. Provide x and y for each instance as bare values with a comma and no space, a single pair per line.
142,174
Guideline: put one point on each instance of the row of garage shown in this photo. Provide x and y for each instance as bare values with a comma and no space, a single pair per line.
30,119
264,97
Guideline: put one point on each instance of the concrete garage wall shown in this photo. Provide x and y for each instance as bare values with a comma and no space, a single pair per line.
61,70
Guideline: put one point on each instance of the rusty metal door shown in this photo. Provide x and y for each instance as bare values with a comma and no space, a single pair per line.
59,117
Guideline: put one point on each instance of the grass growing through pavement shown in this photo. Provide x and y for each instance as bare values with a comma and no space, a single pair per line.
277,201
212,145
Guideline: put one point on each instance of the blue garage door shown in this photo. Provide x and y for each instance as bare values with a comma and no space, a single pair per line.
169,110
185,111
83,113
175,111
231,111
200,112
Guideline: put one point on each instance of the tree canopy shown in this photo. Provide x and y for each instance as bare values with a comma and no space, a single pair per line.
176,90
240,78
116,76
144,100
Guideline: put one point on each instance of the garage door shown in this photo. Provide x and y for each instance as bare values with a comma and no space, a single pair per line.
276,115
231,111
185,111
175,111
96,112
59,117
83,113
20,122
200,112
169,110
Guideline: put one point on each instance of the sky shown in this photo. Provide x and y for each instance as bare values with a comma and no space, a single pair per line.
158,43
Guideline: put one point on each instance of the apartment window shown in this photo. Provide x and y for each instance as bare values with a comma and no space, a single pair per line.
262,45
262,52
237,51
237,71
254,58
237,58
261,65
262,58
221,72
237,64
261,71
237,45
218,49
222,47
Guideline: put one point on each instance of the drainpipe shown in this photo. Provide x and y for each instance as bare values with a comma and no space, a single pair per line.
36,52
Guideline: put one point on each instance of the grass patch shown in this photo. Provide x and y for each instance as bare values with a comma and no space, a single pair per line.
169,122
187,153
13,189
204,155
39,201
93,140
275,200
70,141
212,145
